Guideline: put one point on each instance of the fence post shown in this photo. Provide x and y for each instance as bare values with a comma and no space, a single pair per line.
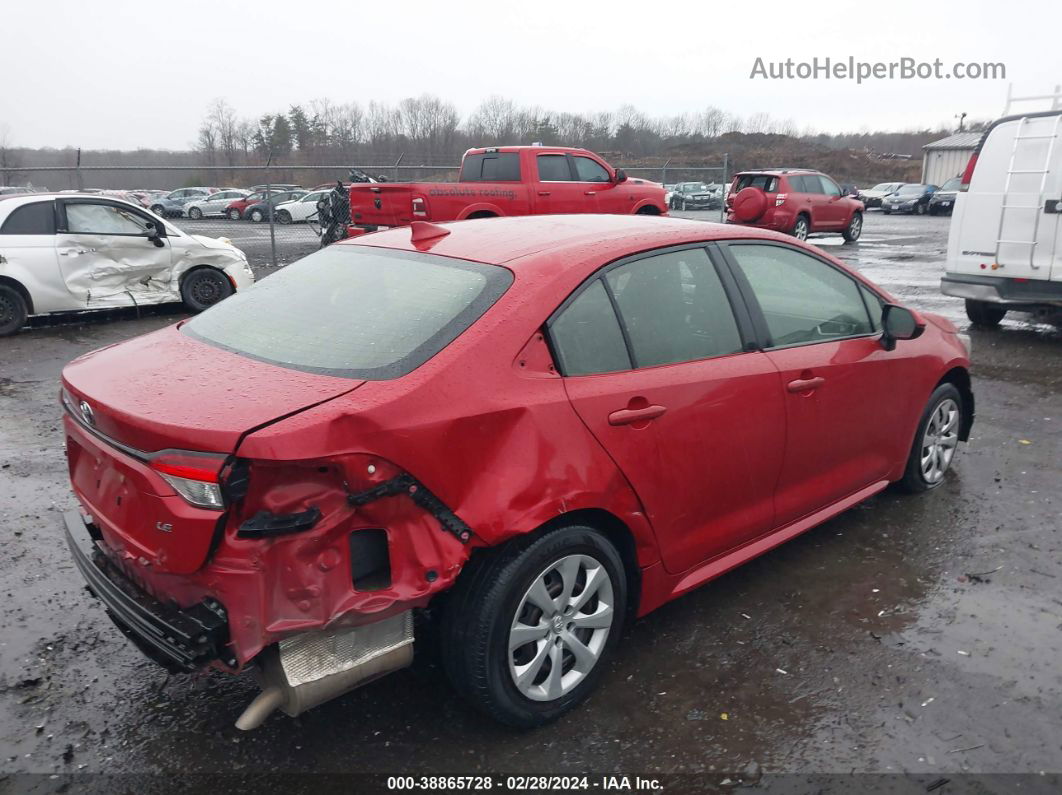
269,206
663,174
80,178
726,183
394,177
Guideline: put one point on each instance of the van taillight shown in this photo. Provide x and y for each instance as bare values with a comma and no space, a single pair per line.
967,175
420,207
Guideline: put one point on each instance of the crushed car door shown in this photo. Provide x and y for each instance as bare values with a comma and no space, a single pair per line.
107,257
663,381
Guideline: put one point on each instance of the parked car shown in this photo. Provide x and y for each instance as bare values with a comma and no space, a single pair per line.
509,180
798,202
236,208
942,202
585,372
301,209
63,252
172,205
872,197
1003,244
277,186
8,190
215,204
693,196
911,198
259,210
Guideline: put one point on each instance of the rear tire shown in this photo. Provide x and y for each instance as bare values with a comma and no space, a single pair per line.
801,227
13,310
982,313
234,215
204,287
935,442
500,650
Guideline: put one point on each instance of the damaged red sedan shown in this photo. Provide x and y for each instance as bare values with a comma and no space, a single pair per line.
539,427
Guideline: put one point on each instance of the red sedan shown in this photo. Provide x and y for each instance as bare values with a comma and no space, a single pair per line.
538,426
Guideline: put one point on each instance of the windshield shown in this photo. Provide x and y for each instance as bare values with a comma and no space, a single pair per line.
952,184
886,187
354,311
911,189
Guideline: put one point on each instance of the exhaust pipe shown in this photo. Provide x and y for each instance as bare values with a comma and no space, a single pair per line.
306,670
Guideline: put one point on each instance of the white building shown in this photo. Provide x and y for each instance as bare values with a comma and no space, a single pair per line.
947,158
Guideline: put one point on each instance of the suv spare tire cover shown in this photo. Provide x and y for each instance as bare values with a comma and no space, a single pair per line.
749,204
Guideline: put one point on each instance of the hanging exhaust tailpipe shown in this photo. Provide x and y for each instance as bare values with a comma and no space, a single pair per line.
303,671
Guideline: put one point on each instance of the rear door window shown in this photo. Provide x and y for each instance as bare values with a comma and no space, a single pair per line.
354,311
30,219
491,167
586,335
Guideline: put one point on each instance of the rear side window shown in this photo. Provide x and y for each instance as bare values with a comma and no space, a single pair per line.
553,168
802,298
354,311
586,336
764,182
674,308
30,219
491,167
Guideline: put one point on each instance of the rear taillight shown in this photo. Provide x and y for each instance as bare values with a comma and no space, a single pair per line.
194,476
779,199
420,207
967,175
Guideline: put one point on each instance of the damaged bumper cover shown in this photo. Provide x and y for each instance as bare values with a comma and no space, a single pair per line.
179,640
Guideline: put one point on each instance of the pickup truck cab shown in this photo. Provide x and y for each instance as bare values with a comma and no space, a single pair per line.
509,180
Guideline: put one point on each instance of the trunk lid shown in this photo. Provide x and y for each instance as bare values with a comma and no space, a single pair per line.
168,391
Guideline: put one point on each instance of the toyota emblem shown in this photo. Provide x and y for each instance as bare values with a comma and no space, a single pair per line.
86,413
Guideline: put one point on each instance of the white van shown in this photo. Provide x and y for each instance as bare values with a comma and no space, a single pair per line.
1005,245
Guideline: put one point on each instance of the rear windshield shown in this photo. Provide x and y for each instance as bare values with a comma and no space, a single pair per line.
764,182
354,311
491,167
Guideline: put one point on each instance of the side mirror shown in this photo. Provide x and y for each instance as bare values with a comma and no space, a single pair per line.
899,323
154,233
621,176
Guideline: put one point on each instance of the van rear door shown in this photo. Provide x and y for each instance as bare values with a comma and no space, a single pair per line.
1009,218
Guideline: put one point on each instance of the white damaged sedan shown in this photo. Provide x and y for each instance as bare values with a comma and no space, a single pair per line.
78,252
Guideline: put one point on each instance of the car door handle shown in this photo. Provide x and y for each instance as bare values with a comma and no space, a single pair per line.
543,193
805,384
73,252
589,192
627,416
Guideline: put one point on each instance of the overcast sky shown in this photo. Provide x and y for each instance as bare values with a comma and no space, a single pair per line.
120,74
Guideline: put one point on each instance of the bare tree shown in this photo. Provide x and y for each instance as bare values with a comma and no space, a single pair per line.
8,158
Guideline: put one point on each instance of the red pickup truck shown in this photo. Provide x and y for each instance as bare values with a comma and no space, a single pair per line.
509,180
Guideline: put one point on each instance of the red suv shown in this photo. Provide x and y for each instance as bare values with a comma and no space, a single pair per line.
508,421
794,201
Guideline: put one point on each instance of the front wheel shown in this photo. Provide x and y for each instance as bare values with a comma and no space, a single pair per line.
13,310
801,228
920,209
256,216
283,217
527,629
854,229
935,442
982,313
204,287
195,214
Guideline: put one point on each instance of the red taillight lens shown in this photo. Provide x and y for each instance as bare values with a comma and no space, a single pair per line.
779,199
194,476
967,175
420,207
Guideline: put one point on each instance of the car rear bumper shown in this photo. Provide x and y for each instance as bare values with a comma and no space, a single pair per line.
1001,290
177,639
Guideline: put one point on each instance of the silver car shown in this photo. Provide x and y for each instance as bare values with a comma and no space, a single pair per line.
214,204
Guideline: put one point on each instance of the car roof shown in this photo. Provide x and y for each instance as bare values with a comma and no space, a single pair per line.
530,242
777,172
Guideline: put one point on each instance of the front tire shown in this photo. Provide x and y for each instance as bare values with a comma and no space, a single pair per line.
854,229
195,214
527,629
982,313
13,310
283,217
256,216
204,287
935,442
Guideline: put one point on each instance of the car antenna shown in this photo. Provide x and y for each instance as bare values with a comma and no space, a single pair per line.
424,231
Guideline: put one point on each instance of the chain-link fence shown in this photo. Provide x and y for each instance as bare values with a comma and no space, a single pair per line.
271,212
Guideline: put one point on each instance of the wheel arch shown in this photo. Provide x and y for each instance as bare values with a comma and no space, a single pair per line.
647,207
480,210
201,266
20,288
959,377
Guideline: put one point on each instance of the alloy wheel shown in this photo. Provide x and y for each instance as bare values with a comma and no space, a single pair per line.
800,230
939,441
560,628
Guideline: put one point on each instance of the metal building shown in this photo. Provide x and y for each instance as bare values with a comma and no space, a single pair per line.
947,158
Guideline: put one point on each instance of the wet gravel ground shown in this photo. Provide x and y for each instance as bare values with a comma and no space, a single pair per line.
912,634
